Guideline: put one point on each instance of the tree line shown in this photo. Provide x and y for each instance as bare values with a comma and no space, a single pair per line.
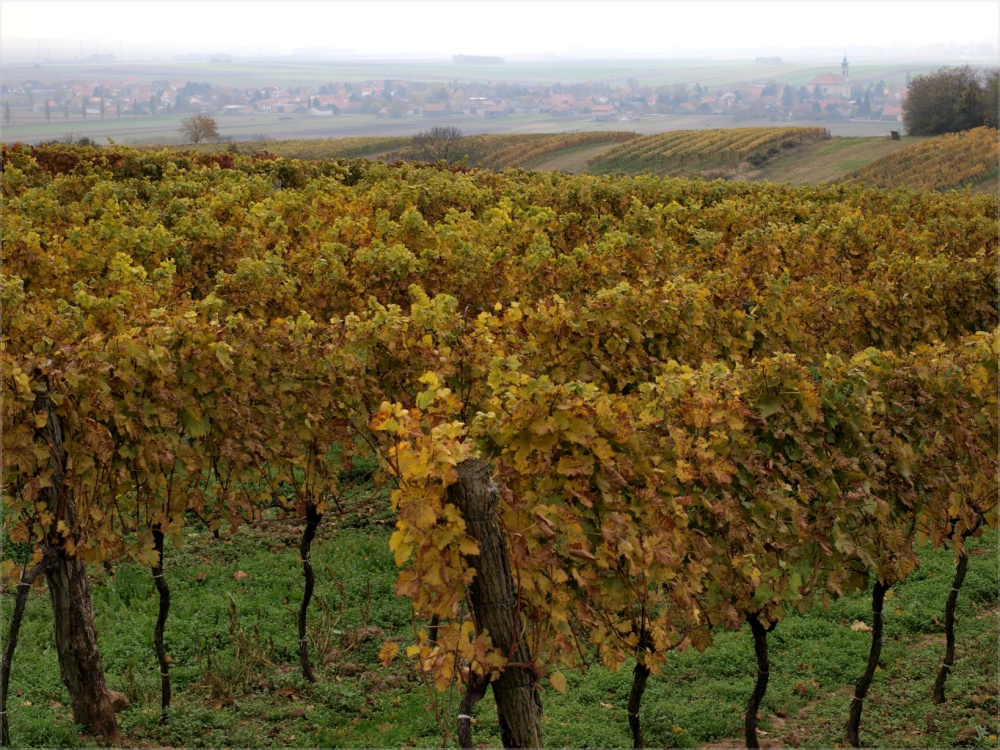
952,100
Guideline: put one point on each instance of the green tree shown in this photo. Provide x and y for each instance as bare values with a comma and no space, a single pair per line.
948,100
48,111
152,104
83,107
992,109
6,113
788,97
680,93
101,107
66,109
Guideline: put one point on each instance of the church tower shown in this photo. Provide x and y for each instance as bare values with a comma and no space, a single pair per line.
843,70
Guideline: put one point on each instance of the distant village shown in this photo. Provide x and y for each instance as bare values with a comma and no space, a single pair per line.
831,96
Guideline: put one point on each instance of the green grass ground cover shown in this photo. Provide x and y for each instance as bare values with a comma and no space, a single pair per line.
233,643
830,161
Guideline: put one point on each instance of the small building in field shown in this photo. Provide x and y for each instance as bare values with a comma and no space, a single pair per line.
603,113
436,109
238,109
497,111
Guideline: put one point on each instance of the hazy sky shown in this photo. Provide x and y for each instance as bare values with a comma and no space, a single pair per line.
155,29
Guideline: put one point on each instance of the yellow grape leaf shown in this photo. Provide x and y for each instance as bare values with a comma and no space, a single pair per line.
431,379
683,471
387,653
426,517
8,570
239,575
222,354
558,681
400,547
41,419
468,547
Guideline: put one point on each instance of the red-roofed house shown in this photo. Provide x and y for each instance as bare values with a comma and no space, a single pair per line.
436,109
891,114
497,111
603,113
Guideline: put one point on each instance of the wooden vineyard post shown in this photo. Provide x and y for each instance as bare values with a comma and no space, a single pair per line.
72,606
494,606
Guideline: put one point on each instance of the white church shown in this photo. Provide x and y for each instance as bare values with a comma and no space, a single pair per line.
832,86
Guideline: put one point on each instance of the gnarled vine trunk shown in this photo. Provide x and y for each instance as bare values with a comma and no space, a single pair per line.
23,587
640,675
161,620
305,552
861,688
760,686
474,692
494,607
76,645
949,627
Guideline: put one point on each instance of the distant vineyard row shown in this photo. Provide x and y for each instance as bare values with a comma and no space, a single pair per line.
946,162
691,151
495,151
509,151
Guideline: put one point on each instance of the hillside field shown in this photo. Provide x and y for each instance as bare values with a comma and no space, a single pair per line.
805,158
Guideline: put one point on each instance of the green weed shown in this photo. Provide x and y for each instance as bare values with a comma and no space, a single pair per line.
232,639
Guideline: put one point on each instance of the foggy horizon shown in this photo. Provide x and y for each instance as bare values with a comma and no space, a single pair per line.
39,33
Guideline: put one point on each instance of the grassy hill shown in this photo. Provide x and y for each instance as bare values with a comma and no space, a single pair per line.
831,160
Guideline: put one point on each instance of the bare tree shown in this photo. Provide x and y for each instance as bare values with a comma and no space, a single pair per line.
198,128
440,143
